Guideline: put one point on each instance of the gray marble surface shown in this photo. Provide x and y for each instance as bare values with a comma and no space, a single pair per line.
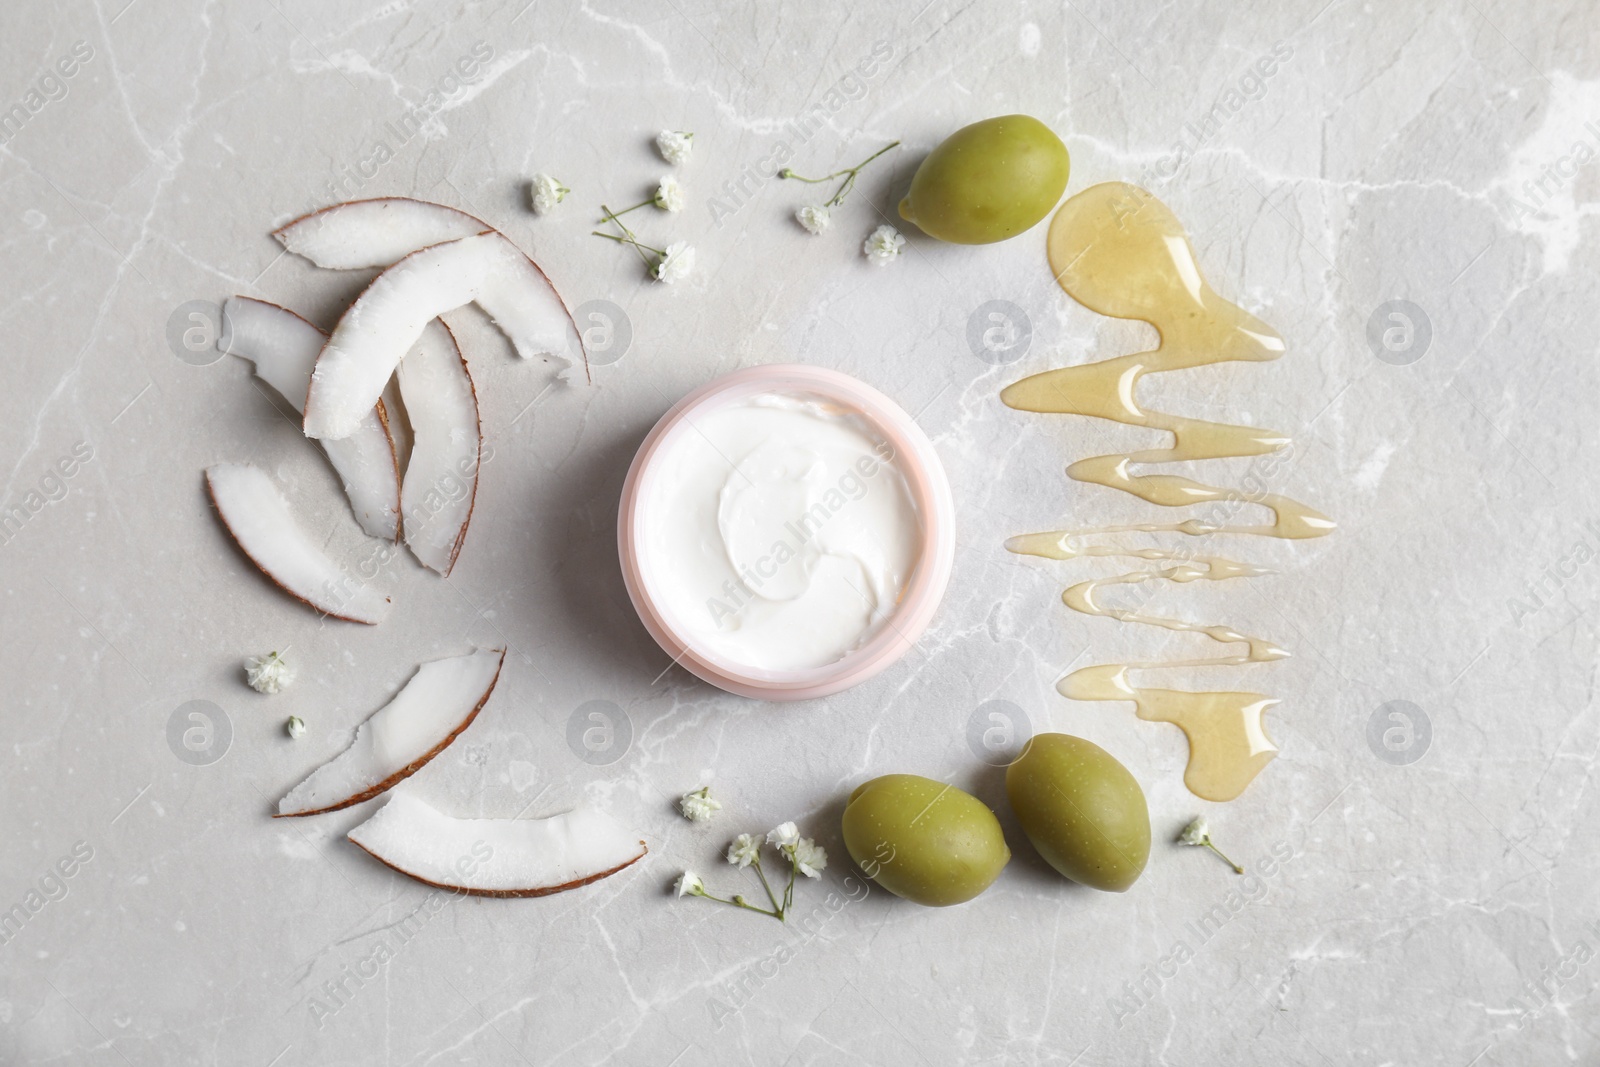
1430,903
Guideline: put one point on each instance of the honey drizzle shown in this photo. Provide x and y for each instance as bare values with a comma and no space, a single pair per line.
1119,251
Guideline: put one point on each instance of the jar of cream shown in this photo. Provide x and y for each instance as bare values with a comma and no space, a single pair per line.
786,532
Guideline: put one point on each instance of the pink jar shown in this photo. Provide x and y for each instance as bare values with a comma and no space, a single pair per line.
925,480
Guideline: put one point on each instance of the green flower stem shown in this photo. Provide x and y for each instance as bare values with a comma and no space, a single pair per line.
743,903
794,869
613,215
768,887
1236,868
737,902
849,174
627,241
629,238
632,238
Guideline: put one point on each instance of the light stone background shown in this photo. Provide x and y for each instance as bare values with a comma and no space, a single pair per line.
1436,911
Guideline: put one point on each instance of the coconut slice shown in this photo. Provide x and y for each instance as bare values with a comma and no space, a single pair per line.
389,316
497,857
446,443
374,233
398,739
258,517
283,347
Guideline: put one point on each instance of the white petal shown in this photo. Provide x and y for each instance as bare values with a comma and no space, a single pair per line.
670,195
546,193
674,146
269,673
814,218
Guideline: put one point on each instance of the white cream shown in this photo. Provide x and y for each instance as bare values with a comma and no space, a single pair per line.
779,530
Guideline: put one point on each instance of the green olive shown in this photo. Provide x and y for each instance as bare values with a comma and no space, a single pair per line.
1082,810
988,181
924,840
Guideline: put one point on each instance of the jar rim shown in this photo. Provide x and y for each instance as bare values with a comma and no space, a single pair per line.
925,481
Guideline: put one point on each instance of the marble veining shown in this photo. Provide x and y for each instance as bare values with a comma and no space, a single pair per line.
1409,197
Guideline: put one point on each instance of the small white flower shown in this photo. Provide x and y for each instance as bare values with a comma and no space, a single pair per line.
690,885
669,195
676,264
1198,833
745,850
883,246
546,193
674,145
698,805
785,836
809,857
269,673
814,217
296,727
